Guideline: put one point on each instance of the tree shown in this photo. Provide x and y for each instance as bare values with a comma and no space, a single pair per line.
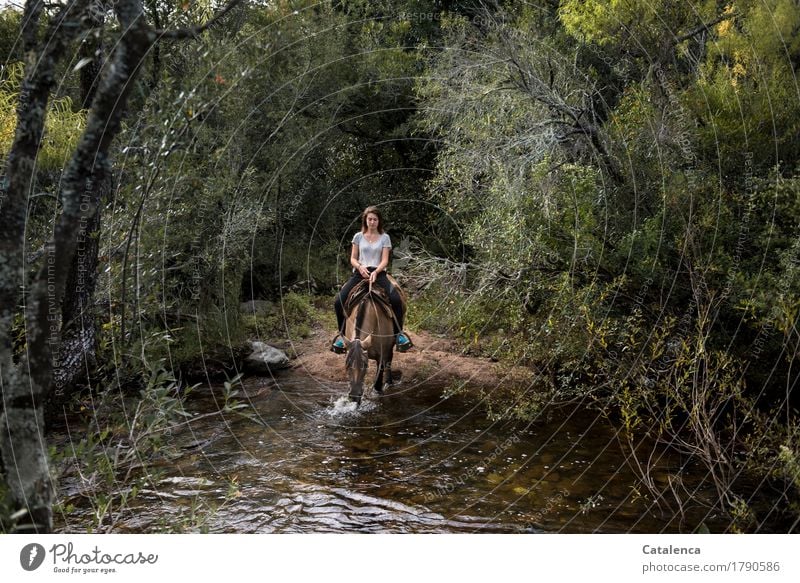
77,349
26,386
640,160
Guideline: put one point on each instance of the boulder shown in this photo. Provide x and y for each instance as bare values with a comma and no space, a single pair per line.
264,359
256,307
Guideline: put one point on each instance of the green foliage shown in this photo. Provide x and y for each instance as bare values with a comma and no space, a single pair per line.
473,318
616,178
643,24
62,129
10,46
745,83
790,457
644,291
113,459
126,443
291,318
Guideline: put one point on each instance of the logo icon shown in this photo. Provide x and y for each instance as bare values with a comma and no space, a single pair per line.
31,556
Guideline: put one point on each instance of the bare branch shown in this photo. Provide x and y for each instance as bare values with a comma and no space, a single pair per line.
704,27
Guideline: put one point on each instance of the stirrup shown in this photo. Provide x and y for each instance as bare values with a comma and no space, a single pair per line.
404,342
337,345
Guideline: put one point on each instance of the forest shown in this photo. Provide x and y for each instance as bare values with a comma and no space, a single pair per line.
605,193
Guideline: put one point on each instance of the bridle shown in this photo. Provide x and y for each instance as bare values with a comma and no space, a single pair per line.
356,350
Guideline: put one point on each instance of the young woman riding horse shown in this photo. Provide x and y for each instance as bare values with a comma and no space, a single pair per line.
369,257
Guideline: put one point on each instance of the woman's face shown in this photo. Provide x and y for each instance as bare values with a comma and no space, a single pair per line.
372,221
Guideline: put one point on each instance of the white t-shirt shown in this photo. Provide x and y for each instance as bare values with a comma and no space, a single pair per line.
369,254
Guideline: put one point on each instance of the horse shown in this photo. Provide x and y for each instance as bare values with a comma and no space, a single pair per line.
369,335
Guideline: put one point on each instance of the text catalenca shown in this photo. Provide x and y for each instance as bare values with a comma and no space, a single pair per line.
65,554
670,550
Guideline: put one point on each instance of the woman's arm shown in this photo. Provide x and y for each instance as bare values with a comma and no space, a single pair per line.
383,264
354,252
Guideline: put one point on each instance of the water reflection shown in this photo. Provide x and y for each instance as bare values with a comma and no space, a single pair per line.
411,461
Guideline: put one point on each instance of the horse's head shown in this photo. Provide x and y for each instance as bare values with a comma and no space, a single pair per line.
356,363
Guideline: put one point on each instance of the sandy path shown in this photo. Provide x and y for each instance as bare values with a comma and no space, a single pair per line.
433,359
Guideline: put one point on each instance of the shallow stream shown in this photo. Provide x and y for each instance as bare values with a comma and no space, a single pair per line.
411,461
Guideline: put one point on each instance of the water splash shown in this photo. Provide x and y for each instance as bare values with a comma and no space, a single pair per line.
343,407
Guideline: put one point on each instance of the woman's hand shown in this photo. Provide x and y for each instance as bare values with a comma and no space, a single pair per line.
363,271
373,276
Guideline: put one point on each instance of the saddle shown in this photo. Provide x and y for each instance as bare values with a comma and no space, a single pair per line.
360,291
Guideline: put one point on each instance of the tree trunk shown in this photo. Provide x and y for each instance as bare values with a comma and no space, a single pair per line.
78,349
24,393
23,454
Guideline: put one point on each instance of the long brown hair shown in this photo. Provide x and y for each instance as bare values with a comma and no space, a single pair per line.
374,210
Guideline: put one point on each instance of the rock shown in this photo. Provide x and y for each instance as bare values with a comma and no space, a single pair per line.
265,358
256,307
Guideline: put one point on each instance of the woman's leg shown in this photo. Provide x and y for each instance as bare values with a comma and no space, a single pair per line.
341,298
394,299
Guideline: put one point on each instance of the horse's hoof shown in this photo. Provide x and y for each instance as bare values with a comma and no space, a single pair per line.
356,400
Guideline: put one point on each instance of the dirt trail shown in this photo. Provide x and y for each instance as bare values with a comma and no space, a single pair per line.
433,359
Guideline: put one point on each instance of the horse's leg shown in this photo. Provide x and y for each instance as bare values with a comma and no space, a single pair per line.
386,358
378,386
388,366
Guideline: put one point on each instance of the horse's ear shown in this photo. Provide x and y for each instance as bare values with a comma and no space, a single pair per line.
367,342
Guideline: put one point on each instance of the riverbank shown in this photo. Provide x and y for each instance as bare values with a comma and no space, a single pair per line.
434,359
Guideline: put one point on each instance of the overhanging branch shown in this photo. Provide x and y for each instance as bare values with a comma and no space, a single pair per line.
703,27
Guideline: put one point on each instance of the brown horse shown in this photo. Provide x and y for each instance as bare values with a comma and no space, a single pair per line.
369,335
